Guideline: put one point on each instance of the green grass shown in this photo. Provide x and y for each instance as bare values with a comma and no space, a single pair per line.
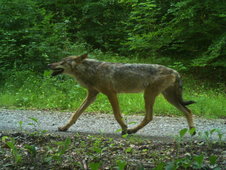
27,90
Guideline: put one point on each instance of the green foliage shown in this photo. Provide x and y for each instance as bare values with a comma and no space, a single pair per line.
121,165
191,160
95,165
140,27
32,150
187,29
77,152
100,28
28,38
187,35
11,143
215,55
183,34
55,153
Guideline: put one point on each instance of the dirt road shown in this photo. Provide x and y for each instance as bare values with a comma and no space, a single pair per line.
161,128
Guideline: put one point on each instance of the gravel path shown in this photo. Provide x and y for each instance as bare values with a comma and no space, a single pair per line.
161,128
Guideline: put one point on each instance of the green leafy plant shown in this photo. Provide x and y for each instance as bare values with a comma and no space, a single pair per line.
121,164
34,122
213,161
208,136
180,138
220,136
97,147
21,125
198,161
11,143
36,125
95,165
56,153
32,150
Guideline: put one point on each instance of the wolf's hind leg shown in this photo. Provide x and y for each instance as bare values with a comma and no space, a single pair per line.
149,97
150,93
90,98
171,96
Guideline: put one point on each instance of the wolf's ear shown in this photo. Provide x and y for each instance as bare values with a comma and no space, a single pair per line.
80,58
84,56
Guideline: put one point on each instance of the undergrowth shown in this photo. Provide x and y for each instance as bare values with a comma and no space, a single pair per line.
45,151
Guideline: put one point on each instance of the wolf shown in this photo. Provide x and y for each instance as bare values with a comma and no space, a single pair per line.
113,78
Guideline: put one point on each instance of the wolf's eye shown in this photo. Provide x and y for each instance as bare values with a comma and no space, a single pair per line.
63,62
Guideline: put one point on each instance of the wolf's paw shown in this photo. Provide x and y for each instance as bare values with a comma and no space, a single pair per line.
131,131
124,132
62,129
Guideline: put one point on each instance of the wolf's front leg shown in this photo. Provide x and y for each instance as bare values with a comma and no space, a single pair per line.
115,106
90,98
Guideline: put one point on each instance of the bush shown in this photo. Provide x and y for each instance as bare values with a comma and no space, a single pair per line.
188,34
28,38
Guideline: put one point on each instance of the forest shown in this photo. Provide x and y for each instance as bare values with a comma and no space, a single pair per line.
188,36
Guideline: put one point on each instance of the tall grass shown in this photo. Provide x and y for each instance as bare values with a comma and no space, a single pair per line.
27,90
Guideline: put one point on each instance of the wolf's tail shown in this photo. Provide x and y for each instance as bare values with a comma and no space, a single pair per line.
179,85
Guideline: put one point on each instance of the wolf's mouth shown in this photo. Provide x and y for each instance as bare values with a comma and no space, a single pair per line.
57,71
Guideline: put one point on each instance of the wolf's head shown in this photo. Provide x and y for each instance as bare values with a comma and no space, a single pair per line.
66,65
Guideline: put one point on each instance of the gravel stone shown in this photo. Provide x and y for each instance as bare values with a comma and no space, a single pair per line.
161,128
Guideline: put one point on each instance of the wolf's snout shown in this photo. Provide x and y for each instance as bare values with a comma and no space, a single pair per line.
49,65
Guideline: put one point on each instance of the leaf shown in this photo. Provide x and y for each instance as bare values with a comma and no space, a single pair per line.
34,119
4,138
213,159
160,166
199,160
129,150
95,165
131,123
212,131
170,166
31,149
192,131
119,130
121,165
11,145
183,132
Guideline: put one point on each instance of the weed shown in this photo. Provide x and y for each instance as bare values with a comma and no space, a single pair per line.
129,150
192,160
11,143
198,161
213,161
209,136
21,125
97,147
121,164
34,122
220,136
36,125
95,165
99,152
179,139
32,150
56,153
